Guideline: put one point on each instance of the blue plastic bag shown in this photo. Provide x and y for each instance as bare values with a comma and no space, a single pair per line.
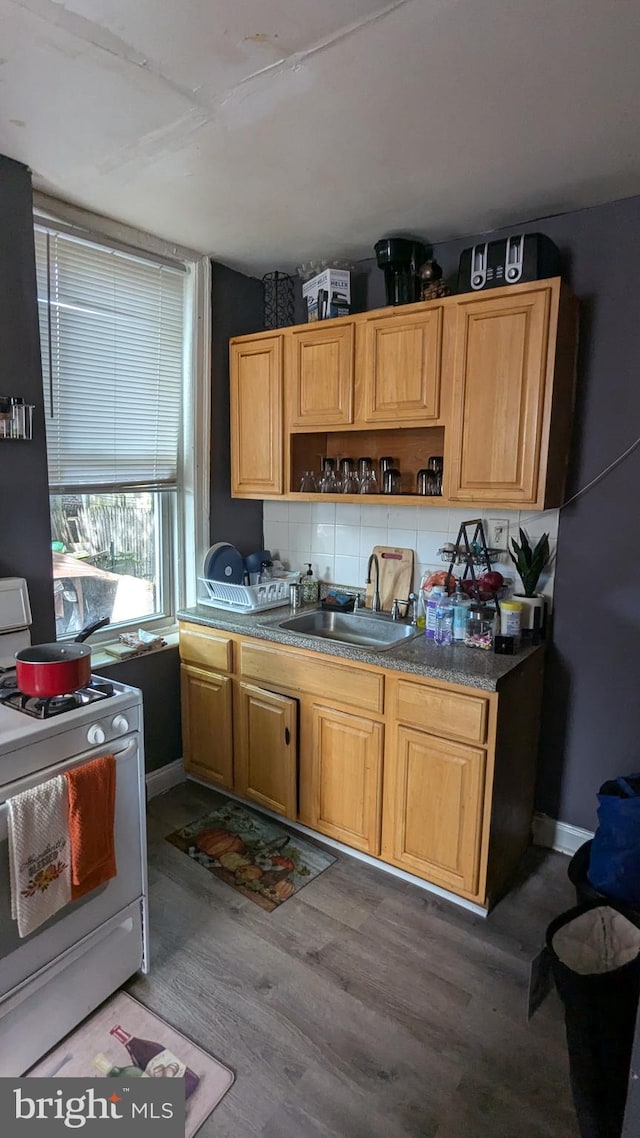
614,867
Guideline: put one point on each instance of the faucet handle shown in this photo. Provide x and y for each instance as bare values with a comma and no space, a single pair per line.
409,604
357,602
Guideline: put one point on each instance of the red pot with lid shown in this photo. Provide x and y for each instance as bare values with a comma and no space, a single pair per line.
46,670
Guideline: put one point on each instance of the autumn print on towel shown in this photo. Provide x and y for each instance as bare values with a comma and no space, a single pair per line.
258,857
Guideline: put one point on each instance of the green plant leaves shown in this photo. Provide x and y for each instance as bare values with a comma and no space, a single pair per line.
529,562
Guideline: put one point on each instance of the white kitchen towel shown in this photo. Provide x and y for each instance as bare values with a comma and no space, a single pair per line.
39,853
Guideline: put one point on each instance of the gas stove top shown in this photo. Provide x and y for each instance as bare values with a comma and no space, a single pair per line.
39,708
32,737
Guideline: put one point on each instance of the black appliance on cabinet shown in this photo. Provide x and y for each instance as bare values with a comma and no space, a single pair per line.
519,257
400,258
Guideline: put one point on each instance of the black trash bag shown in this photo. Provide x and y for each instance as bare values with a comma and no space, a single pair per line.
595,957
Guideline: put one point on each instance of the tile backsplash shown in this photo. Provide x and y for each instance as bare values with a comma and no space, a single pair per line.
337,539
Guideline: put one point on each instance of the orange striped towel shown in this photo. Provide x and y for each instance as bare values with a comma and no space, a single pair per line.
92,796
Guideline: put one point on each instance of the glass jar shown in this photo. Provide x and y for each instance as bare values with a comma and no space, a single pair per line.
480,626
510,619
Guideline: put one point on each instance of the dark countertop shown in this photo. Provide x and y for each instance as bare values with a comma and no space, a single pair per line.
468,667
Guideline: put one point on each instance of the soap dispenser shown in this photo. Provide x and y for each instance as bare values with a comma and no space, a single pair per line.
310,587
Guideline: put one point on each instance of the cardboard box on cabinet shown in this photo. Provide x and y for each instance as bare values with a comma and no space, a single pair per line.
328,294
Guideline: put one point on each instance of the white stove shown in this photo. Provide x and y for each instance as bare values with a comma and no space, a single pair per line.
29,744
52,979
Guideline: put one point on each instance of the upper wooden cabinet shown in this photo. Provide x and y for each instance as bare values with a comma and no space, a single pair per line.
486,379
502,375
399,366
256,417
319,375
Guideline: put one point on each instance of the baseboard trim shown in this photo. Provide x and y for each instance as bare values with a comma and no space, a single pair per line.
383,866
164,778
558,836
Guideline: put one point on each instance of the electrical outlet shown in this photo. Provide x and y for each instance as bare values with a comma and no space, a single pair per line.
498,533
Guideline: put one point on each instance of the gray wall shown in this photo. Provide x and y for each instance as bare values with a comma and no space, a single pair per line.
591,721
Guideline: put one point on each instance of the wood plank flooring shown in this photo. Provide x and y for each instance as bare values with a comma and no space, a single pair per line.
362,1007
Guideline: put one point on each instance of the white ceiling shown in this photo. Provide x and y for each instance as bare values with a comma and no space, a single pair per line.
270,132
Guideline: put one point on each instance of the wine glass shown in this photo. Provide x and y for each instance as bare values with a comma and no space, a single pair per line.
308,484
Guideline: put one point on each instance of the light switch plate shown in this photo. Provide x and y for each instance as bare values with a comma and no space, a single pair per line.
498,533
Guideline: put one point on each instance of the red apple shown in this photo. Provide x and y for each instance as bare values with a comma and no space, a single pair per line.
489,584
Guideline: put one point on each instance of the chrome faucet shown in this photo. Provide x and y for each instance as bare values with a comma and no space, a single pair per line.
375,602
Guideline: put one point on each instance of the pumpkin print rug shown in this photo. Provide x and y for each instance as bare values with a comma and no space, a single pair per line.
258,857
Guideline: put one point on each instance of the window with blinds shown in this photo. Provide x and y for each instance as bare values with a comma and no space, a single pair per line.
112,329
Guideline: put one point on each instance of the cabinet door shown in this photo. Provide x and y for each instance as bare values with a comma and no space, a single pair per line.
500,372
256,417
320,376
266,765
345,786
432,824
207,737
399,367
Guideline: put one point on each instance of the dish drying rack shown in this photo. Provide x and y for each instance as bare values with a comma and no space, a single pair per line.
247,598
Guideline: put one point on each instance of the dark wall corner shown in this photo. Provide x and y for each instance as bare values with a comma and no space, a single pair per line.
237,309
25,549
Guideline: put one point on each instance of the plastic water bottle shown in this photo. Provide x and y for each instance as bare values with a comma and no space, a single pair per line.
443,632
461,603
433,598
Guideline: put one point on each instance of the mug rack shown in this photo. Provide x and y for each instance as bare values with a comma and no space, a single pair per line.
16,418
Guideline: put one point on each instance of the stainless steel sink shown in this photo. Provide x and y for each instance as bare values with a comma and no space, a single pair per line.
360,630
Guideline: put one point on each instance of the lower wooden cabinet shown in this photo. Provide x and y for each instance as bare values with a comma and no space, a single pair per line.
266,748
432,820
431,777
341,779
207,725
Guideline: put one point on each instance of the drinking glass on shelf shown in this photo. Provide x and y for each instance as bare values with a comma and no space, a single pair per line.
436,465
308,484
350,483
392,481
385,463
365,465
330,483
369,483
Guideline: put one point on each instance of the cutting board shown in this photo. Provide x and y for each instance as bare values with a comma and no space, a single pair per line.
396,575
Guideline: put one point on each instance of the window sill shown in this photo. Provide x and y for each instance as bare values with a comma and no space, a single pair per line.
101,659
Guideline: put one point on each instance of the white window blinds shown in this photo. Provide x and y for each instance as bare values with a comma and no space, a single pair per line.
111,333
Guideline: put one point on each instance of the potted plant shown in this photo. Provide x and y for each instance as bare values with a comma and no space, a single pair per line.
530,562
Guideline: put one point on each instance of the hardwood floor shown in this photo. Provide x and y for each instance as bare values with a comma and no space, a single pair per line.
362,1007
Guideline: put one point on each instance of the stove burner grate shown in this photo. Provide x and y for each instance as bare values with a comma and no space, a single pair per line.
56,704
